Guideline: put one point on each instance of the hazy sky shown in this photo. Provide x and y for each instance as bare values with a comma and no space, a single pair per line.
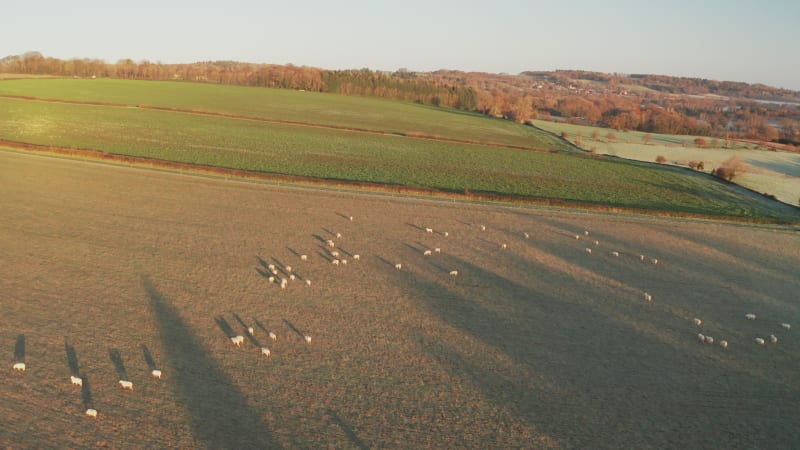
738,40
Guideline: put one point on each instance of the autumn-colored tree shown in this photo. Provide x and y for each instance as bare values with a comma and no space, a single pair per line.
661,159
611,136
730,168
700,142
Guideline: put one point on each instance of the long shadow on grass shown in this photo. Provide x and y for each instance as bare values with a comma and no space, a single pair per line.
19,349
119,364
348,431
72,358
586,373
219,414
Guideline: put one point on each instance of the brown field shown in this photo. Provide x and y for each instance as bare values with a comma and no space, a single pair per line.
111,270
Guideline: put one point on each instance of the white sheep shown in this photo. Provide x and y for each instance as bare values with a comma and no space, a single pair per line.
76,381
428,230
265,351
307,338
648,297
701,337
271,279
446,234
19,366
588,250
596,242
308,282
344,262
284,281
274,271
356,257
759,341
427,253
350,218
586,233
437,250
91,412
614,254
654,261
723,343
773,338
237,340
335,262
398,266
288,269
709,339
527,236
292,277
697,321
271,267
126,385
787,326
577,237
251,331
641,257
330,243
273,336
504,246
453,273
303,257
750,316
335,254
338,235
156,373
483,227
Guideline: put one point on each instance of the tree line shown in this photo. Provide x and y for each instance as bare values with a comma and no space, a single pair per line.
648,103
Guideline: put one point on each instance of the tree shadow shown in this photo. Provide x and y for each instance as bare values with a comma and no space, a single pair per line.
19,349
119,364
72,358
220,416
348,431
148,358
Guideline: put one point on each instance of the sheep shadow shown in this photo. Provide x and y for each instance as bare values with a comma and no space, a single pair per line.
293,251
86,392
263,273
294,328
219,414
225,327
261,262
19,349
415,226
348,431
249,337
148,358
319,238
260,325
387,262
72,359
119,364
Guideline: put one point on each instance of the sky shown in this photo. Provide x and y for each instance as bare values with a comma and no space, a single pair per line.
734,40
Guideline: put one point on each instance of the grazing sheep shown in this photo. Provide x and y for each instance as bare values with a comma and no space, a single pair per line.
427,253
271,267
273,336
330,243
271,279
527,236
265,351
759,341
156,373
237,340
648,297
398,266
284,281
723,343
596,242
504,246
344,262
709,339
697,321
750,316
356,257
428,230
773,338
577,237
787,326
303,257
308,282
335,254
274,271
586,233
446,234
91,412
292,277
350,218
338,235
701,337
614,253
288,269
76,381
437,250
453,273
19,366
126,385
654,261
307,338
251,331
588,250
483,227
335,262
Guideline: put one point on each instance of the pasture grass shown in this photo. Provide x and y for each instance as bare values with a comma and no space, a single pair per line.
372,158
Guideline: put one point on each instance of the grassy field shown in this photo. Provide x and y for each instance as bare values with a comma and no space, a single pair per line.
329,109
374,158
109,270
772,172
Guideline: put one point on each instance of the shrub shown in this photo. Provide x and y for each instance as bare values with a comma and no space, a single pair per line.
700,142
611,136
696,165
729,168
661,159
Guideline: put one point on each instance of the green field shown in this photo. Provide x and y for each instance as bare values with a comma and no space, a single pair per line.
348,156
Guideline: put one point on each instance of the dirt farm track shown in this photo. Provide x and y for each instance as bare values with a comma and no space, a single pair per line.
109,272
